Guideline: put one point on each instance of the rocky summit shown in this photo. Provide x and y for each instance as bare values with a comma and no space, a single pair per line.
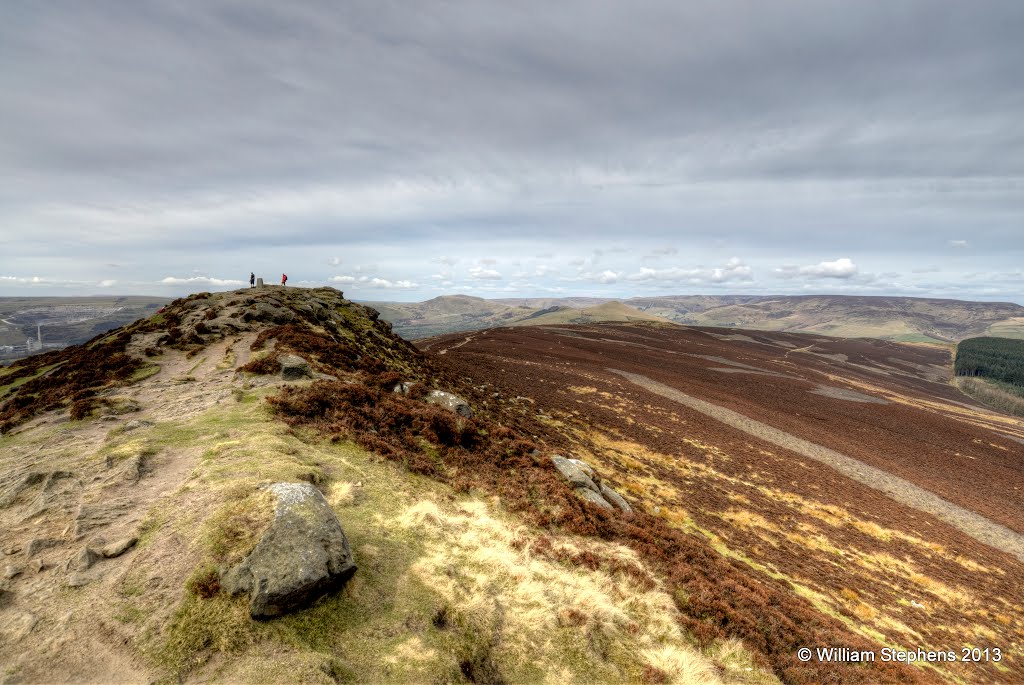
269,485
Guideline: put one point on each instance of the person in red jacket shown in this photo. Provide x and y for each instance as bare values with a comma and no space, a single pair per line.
284,279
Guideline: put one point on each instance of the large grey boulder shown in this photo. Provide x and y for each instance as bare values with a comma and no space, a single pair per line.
594,498
576,476
616,499
303,555
450,401
293,367
588,485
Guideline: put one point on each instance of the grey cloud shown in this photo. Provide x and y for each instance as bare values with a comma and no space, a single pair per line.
226,137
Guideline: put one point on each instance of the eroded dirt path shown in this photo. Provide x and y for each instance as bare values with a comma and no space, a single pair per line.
59,617
899,489
468,339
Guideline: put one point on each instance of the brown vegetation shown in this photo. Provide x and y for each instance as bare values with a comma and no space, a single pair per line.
717,598
918,581
77,375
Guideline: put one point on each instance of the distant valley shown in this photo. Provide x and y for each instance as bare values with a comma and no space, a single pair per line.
62,321
901,319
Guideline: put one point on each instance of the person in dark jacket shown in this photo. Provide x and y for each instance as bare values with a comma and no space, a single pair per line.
252,279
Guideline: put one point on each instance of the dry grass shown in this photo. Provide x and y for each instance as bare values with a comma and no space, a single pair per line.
992,395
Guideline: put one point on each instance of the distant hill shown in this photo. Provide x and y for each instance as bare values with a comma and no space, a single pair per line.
908,319
903,319
608,312
448,314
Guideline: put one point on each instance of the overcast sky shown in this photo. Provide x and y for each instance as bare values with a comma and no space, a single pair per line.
403,150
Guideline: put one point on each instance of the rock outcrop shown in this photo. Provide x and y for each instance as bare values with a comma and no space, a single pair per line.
450,401
303,555
294,367
588,485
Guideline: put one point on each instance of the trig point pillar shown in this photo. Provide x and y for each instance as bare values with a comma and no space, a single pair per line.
259,282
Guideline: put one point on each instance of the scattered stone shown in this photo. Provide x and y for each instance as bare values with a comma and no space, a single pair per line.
92,516
79,580
594,498
12,549
449,401
84,561
37,545
136,424
28,480
402,388
303,555
294,367
324,376
135,467
17,627
584,467
116,549
38,565
574,474
120,405
616,499
12,571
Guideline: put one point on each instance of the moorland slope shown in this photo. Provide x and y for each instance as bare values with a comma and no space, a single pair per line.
850,471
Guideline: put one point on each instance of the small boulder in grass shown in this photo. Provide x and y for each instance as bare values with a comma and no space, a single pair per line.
302,556
449,401
294,367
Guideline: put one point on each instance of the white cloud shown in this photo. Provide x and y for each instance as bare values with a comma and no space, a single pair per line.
107,283
391,285
840,268
199,280
734,270
374,282
22,279
957,243
607,276
481,273
334,261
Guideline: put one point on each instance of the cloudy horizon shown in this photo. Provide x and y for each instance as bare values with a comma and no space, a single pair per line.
401,152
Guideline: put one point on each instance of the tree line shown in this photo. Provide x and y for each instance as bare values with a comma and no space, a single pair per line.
1000,359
